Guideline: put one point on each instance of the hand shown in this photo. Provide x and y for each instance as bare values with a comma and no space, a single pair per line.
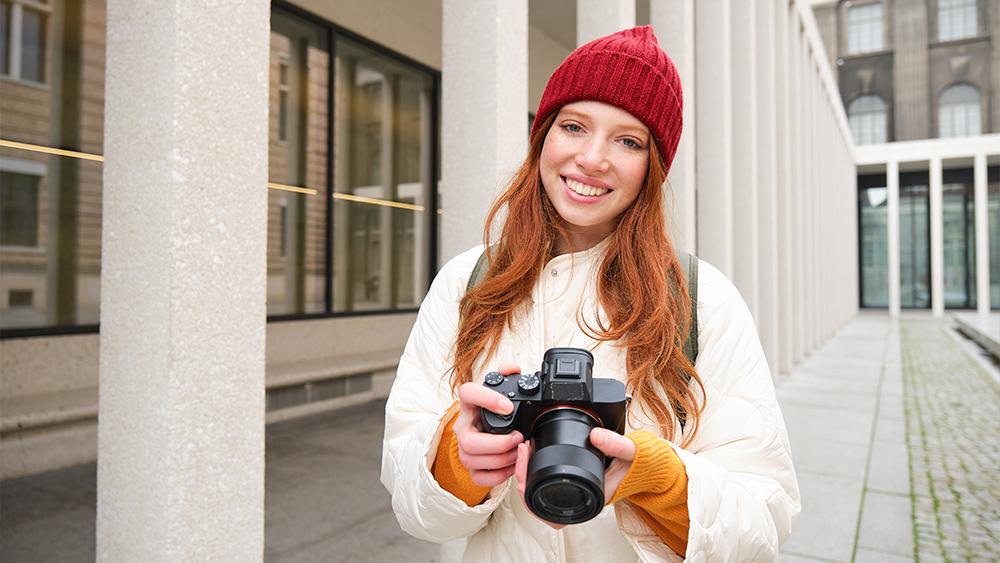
489,457
611,444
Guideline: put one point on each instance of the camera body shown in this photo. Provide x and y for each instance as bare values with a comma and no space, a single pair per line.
556,408
565,380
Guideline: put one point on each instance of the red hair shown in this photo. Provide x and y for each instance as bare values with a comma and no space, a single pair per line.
641,287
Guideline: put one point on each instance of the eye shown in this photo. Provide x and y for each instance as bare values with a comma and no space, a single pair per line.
631,143
572,128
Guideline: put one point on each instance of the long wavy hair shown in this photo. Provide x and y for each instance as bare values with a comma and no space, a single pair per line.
641,287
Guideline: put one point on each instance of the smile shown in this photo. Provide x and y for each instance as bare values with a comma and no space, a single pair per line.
582,189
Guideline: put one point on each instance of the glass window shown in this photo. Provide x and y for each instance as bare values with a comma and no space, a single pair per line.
4,35
867,115
959,111
872,206
18,209
296,256
24,36
993,218
957,19
864,28
958,233
32,45
914,241
382,182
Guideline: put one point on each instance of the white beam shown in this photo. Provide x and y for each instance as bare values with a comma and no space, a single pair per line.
892,179
982,236
937,239
597,18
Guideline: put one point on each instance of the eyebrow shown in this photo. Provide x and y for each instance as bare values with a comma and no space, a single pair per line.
587,117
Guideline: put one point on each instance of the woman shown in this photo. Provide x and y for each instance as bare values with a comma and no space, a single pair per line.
583,261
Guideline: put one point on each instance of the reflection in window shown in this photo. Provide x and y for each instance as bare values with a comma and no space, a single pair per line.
867,115
296,244
959,111
914,242
18,209
872,205
864,28
958,233
383,152
956,19
24,37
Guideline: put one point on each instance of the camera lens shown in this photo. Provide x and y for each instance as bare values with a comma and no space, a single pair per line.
566,473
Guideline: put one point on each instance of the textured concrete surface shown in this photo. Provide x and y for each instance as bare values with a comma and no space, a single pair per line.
324,501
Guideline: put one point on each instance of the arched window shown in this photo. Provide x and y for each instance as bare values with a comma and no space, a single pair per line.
959,111
864,28
867,115
956,19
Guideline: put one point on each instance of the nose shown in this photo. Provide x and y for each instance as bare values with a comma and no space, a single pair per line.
592,156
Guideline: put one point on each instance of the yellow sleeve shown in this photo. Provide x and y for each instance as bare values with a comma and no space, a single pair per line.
449,472
656,484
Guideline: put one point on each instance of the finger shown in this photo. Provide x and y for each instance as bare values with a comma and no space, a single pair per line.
507,368
613,444
472,396
481,443
521,467
492,478
488,462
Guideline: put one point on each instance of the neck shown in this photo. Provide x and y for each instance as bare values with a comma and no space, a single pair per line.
577,239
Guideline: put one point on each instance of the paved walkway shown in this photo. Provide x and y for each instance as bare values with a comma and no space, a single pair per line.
878,399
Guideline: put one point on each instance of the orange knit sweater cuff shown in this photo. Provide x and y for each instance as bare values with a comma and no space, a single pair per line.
449,472
656,484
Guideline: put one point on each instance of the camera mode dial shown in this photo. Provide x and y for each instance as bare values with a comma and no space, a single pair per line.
528,383
494,378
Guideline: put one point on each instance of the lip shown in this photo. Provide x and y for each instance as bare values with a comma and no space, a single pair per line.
588,181
582,198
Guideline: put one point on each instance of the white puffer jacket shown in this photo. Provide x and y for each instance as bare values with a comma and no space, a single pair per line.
742,492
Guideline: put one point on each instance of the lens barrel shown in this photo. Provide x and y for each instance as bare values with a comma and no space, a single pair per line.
565,473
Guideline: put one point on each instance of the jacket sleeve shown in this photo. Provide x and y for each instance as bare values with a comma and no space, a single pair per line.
416,412
743,496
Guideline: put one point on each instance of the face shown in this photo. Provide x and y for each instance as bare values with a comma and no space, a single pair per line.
593,164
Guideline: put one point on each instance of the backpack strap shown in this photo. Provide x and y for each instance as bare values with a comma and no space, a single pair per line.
482,265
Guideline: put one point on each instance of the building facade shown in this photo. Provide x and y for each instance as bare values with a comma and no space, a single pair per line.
909,71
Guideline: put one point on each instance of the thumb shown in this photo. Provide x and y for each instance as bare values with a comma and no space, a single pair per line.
613,444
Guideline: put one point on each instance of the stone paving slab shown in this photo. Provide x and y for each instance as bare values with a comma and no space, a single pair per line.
828,523
886,524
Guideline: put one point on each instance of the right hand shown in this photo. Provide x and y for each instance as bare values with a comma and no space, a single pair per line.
490,458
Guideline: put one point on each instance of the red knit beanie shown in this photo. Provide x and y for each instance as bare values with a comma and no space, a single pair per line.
627,70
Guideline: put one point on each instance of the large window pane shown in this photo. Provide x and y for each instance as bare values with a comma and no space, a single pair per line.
864,28
50,206
914,242
299,94
956,19
959,111
868,118
382,181
872,205
958,232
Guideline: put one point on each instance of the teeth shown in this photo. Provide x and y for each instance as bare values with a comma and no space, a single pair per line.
584,189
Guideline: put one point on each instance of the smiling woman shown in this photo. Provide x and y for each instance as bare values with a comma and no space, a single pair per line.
583,267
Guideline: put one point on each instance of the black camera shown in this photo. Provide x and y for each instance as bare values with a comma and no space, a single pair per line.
556,408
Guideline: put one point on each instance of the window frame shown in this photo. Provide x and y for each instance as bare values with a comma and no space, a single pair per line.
25,168
954,12
885,116
15,26
852,50
941,107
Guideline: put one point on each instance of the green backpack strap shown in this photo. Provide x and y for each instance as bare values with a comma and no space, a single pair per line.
482,265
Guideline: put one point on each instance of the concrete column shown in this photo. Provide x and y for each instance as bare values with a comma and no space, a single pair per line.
746,246
673,22
713,115
767,189
180,473
597,18
798,182
937,239
892,210
484,122
982,236
786,307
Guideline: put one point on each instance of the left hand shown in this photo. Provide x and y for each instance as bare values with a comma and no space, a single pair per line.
609,442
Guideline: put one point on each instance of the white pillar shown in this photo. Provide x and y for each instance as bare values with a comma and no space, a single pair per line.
180,473
892,210
597,18
484,121
937,239
713,115
786,306
746,246
673,23
767,189
982,236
